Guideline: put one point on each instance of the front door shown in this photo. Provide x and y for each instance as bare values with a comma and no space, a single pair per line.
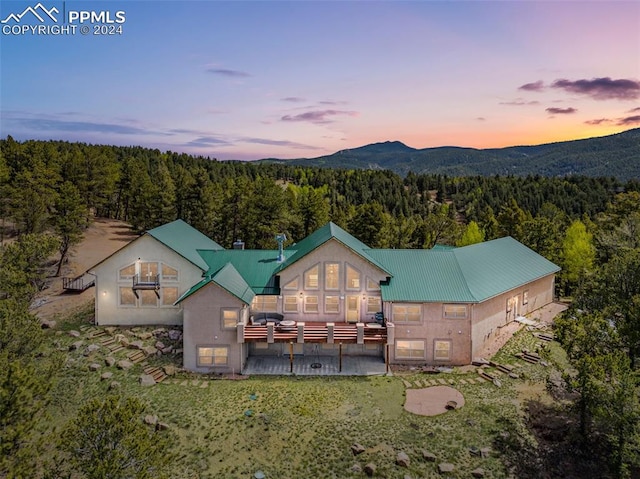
353,309
512,308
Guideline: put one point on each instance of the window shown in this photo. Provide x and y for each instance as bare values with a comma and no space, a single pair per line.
148,271
310,304
229,318
372,285
213,355
406,313
169,273
525,297
169,296
265,304
127,272
331,304
311,277
148,298
353,278
292,285
127,298
410,349
374,304
453,311
441,350
290,304
332,276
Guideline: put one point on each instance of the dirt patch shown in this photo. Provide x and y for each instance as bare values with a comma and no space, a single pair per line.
432,401
103,238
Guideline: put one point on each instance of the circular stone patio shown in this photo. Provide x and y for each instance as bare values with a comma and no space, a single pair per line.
432,401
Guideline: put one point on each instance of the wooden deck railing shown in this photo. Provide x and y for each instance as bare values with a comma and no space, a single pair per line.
316,333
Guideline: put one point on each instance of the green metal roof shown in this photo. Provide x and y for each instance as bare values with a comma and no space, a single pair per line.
227,278
316,239
257,267
469,274
184,240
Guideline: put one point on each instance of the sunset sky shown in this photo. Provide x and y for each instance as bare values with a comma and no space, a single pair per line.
249,80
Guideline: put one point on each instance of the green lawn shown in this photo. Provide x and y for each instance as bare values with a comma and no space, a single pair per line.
303,427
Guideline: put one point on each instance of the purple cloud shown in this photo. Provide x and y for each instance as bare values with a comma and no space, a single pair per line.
318,116
561,111
85,126
601,88
535,86
630,120
599,121
331,102
228,73
293,99
519,102
204,141
633,110
287,143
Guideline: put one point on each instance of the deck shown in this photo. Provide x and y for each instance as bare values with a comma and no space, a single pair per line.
317,333
79,283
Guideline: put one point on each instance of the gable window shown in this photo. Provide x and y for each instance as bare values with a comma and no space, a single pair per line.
148,271
410,349
169,273
264,304
406,313
525,297
332,276
127,298
127,272
455,311
374,304
213,355
331,304
148,298
441,350
310,304
292,285
169,295
372,285
229,318
290,304
311,277
353,278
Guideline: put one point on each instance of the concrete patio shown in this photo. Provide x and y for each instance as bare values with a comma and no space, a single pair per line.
302,366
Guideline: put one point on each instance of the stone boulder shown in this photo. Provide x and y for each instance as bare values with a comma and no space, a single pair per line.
114,385
370,469
357,468
402,459
169,369
445,467
109,361
94,367
92,348
74,334
124,364
479,472
160,345
428,456
136,345
76,345
357,449
145,335
151,419
106,375
162,426
47,324
167,350
146,380
175,334
150,350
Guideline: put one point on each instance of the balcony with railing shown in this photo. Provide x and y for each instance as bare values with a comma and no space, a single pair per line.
148,283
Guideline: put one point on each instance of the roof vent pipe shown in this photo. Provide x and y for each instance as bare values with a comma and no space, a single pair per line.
281,238
238,244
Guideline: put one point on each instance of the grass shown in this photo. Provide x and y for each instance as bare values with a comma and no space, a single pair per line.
298,427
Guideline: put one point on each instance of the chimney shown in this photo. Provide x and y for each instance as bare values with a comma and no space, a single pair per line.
238,244
281,238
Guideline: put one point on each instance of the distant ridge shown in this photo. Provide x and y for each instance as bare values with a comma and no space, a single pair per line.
615,155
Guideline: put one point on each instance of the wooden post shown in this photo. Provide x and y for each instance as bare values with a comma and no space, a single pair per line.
386,358
291,356
340,357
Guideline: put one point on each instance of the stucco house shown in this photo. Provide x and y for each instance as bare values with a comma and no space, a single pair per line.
327,294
